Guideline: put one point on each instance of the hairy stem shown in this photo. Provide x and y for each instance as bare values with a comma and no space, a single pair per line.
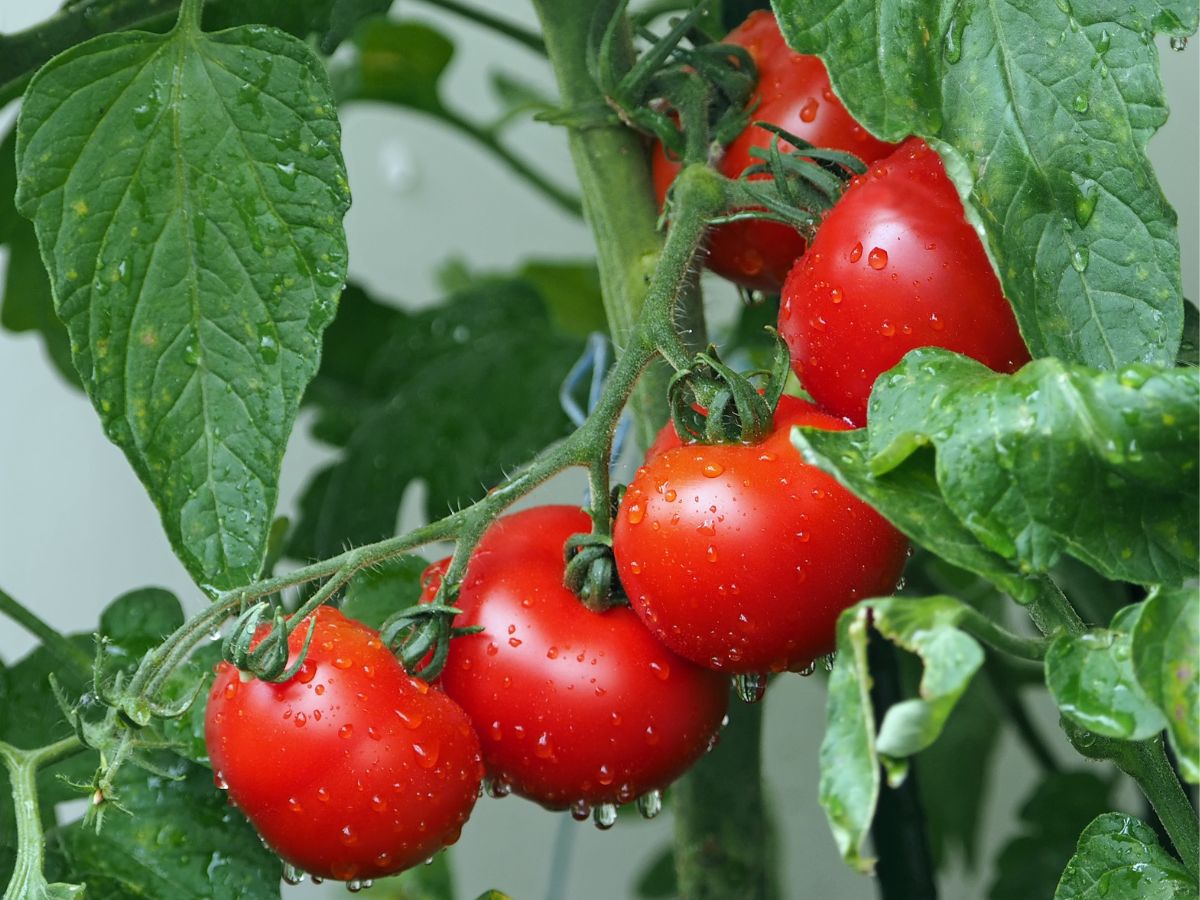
1146,762
614,175
27,879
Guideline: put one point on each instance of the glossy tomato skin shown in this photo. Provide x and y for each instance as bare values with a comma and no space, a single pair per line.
894,266
794,93
571,706
352,769
741,557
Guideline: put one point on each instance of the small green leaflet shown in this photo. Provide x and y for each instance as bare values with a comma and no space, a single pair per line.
1091,678
1119,856
1042,111
188,192
852,751
1019,461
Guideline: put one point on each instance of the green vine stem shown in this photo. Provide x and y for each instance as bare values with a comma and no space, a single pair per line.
22,765
1146,763
1143,761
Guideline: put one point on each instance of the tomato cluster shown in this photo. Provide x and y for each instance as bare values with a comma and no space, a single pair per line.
736,558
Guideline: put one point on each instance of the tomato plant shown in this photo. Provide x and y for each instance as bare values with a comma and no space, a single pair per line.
895,266
793,93
573,708
350,769
1002,286
740,557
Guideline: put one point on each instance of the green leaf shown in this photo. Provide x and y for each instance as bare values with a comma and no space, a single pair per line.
1090,676
455,396
1054,813
187,192
1166,647
1020,460
1043,112
26,303
374,594
1119,856
851,752
909,497
181,841
396,62
137,621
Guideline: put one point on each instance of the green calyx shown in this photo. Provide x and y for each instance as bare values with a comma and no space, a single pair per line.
266,658
420,637
712,404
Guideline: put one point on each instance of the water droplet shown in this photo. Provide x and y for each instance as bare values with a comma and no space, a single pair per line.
954,35
808,112
605,816
835,295
346,731
856,253
580,810
887,329
877,259
750,686
712,469
661,669
427,754
650,804
1087,192
1081,102
635,513
497,788
808,670
292,875
300,721
1179,43
829,659
1080,258
348,836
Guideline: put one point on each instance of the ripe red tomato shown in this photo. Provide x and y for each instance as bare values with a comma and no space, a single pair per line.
351,769
793,93
740,557
572,707
894,266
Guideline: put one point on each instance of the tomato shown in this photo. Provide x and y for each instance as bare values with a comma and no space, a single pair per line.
894,266
740,557
351,769
793,93
573,708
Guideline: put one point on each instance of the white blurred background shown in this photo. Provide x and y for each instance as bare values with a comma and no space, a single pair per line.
77,530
